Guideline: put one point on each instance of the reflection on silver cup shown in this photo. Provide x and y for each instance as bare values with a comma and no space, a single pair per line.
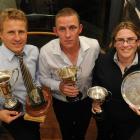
98,94
69,76
11,103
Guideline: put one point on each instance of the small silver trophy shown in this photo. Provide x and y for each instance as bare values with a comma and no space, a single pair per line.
10,103
69,76
98,94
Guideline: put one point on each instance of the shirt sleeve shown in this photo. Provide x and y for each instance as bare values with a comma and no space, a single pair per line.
45,73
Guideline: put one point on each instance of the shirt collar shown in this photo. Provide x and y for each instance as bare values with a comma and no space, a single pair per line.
9,54
83,46
135,61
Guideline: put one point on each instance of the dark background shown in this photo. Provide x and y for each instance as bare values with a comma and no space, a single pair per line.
99,17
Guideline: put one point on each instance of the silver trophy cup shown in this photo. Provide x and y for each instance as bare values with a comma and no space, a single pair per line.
69,76
98,94
10,103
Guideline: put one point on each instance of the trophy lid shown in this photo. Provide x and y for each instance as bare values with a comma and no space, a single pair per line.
97,92
130,89
5,75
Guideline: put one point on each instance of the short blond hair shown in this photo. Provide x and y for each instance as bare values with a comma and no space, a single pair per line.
13,14
67,12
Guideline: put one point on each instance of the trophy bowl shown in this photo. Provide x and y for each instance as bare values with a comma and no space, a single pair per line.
130,89
69,76
98,94
10,103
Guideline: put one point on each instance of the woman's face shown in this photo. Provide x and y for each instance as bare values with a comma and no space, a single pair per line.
126,43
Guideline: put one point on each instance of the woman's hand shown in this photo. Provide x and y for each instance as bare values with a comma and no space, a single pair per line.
96,107
135,109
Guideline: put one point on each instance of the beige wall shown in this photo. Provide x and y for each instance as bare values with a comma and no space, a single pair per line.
7,4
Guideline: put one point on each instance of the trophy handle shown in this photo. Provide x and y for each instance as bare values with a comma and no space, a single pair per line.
108,97
13,71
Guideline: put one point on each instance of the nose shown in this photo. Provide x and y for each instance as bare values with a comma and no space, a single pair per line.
125,43
17,36
67,32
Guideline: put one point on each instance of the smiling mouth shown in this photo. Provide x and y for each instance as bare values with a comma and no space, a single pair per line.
16,44
68,41
126,51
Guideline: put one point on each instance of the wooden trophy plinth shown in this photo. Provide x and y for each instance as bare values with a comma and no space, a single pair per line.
38,113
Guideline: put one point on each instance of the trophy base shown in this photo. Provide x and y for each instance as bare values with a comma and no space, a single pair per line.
74,99
38,110
13,105
40,119
38,113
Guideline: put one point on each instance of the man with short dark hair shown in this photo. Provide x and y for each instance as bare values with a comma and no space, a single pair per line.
71,104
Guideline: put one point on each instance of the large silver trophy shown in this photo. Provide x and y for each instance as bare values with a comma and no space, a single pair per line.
6,78
98,94
130,89
69,76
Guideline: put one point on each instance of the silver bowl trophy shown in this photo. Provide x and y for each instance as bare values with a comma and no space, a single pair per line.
6,78
130,89
69,76
98,94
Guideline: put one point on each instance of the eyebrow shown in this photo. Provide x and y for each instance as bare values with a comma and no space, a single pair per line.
127,38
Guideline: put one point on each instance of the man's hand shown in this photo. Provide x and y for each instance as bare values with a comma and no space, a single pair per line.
8,116
68,89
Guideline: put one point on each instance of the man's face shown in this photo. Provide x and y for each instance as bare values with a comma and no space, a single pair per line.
14,35
68,30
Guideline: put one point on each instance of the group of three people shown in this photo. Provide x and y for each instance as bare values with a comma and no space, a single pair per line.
70,49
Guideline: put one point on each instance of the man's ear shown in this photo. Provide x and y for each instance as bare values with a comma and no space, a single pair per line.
0,36
55,30
80,28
